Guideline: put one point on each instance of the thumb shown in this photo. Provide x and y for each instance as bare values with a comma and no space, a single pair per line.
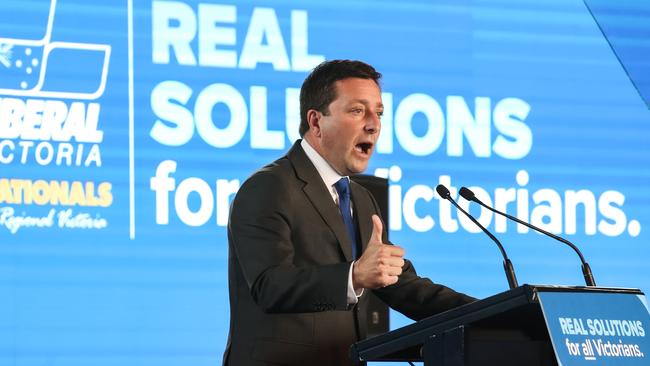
377,229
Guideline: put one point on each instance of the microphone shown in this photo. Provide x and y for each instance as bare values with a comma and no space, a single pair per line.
467,194
507,265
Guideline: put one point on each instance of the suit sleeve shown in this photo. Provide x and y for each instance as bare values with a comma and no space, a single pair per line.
418,297
260,234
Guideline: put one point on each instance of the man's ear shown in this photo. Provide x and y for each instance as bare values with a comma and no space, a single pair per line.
314,119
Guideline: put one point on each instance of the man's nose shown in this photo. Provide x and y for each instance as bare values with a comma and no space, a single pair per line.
373,124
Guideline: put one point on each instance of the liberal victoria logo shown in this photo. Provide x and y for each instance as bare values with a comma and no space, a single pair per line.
49,118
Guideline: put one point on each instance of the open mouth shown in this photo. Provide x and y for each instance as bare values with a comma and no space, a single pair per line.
364,147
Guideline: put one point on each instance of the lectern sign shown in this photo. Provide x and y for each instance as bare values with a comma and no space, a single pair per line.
597,328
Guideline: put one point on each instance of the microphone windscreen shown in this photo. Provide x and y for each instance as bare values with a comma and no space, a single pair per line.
466,193
443,191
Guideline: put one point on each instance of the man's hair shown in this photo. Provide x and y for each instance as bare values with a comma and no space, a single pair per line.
318,89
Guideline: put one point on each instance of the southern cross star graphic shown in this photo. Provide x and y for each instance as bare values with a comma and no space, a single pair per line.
22,63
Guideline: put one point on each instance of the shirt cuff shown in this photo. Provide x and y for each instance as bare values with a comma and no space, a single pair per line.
353,296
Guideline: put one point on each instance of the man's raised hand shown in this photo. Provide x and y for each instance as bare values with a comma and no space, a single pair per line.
380,264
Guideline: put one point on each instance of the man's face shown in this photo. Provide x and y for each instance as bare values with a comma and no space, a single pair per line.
346,137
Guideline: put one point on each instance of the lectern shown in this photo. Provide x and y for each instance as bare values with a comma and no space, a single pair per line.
528,325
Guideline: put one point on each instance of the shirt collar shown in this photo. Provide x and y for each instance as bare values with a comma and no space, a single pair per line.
325,170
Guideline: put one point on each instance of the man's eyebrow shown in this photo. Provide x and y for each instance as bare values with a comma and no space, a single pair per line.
367,102
360,100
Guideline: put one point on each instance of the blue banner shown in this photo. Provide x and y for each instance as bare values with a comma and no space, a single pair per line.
127,127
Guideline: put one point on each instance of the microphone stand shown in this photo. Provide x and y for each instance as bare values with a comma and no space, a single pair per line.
467,194
507,264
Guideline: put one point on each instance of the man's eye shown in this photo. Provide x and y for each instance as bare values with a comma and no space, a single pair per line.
380,113
357,110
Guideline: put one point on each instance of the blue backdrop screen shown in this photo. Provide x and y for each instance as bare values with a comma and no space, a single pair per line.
127,127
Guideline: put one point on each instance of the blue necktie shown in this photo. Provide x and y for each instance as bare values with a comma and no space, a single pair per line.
343,189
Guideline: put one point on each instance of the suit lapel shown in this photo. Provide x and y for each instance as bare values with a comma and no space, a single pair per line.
362,213
320,197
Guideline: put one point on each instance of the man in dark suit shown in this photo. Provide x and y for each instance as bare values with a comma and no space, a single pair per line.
306,245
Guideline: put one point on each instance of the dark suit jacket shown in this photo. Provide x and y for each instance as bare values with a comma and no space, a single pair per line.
288,264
